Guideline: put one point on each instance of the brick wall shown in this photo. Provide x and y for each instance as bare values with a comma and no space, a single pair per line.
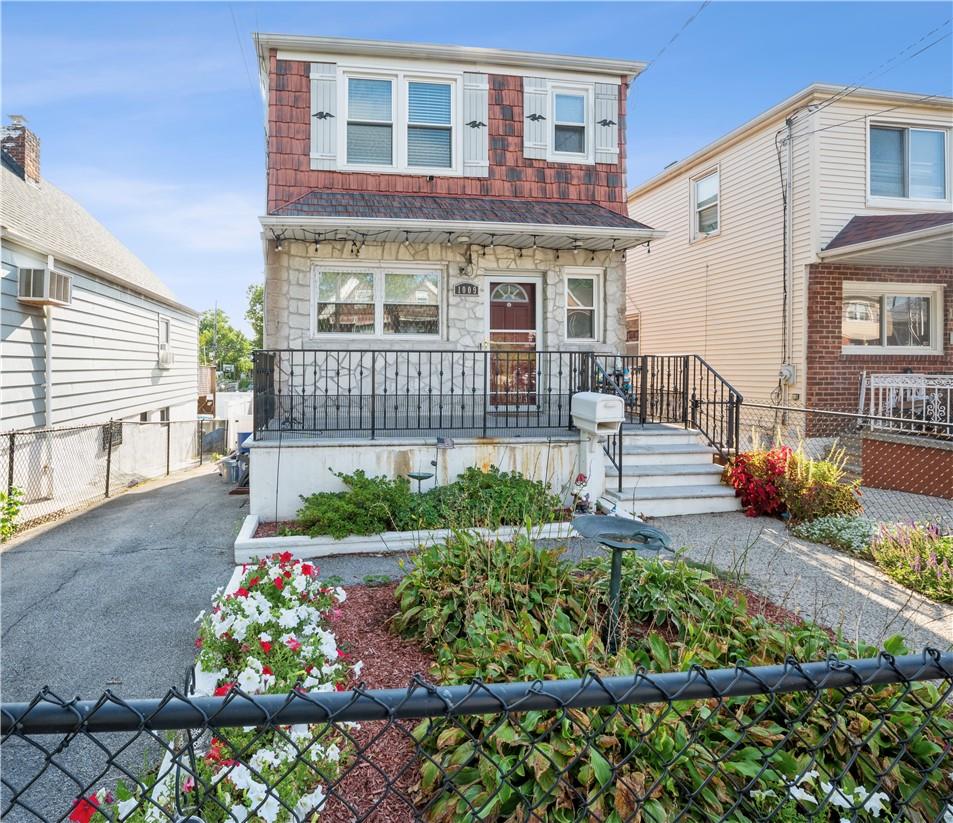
833,378
905,465
511,175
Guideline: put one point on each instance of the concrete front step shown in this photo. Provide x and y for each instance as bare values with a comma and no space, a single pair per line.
666,501
657,435
671,474
639,454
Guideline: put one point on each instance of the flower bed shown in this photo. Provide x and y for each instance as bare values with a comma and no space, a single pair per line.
268,633
916,555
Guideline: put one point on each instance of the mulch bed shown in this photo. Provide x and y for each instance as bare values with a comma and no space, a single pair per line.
389,662
758,606
272,529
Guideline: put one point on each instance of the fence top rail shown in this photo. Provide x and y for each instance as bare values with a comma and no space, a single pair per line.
714,371
47,714
330,350
101,424
853,415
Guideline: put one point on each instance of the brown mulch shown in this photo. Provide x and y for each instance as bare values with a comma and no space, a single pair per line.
272,529
389,662
757,605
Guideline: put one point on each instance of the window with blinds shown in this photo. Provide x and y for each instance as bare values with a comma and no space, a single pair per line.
908,162
429,124
370,121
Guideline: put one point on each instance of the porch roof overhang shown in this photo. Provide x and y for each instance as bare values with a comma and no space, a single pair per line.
923,240
477,221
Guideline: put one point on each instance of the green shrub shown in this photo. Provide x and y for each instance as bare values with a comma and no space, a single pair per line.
918,557
372,505
506,611
9,511
848,533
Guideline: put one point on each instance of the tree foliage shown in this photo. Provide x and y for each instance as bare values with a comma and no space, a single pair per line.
221,344
255,313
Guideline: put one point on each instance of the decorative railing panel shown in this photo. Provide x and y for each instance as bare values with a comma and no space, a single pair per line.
915,403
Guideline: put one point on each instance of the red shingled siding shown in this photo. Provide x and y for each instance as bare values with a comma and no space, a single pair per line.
511,175
833,378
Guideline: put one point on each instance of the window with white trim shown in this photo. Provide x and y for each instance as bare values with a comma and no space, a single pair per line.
400,122
706,204
377,301
891,318
908,162
570,116
582,294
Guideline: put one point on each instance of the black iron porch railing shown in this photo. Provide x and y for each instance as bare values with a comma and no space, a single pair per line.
514,392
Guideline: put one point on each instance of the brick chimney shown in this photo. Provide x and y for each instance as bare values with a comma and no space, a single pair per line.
23,146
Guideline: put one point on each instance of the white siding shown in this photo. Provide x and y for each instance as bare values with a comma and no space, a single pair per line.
721,296
21,355
104,357
842,152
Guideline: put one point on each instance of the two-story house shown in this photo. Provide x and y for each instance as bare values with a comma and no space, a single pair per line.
810,251
445,244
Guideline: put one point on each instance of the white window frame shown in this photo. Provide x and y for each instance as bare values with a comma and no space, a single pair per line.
932,290
918,204
694,234
579,90
595,275
400,108
378,270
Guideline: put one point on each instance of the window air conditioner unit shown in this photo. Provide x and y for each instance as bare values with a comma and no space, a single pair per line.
166,356
44,287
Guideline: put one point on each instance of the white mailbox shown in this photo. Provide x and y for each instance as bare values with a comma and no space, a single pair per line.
597,414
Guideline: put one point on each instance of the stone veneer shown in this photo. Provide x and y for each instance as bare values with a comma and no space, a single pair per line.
288,293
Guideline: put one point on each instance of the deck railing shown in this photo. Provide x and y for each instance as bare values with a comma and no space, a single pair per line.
914,403
514,392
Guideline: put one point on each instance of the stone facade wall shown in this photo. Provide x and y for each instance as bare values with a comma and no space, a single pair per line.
833,378
290,175
288,293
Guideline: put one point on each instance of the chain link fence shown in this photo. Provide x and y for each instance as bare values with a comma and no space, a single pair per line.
57,470
905,474
832,740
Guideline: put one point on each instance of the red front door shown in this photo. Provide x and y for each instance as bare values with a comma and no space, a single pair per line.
513,343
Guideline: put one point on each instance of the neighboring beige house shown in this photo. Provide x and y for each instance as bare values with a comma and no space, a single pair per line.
797,303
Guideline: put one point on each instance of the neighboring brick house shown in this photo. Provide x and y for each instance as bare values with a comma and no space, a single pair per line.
795,288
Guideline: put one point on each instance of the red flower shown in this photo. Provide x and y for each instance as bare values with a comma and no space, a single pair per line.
279,583
285,557
214,753
340,687
293,643
224,689
253,581
265,646
343,655
241,592
266,670
307,569
188,784
287,573
84,808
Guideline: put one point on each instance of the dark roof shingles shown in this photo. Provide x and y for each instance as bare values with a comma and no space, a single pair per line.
437,208
864,228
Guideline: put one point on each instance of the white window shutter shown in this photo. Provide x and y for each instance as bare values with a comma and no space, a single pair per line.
606,124
536,126
324,115
476,125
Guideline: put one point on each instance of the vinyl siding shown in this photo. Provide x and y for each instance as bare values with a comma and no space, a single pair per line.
721,296
104,357
842,153
22,364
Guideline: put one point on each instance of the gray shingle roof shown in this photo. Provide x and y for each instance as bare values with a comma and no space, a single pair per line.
867,227
55,223
435,207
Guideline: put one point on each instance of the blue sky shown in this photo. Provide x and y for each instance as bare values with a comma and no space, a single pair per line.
149,113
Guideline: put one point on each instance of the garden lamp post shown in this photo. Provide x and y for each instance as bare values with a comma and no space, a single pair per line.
619,534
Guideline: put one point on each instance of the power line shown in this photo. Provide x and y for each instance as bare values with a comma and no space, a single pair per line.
922,99
885,66
241,48
685,25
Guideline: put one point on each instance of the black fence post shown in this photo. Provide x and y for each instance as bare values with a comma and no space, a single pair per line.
644,389
486,396
373,391
109,455
13,440
685,390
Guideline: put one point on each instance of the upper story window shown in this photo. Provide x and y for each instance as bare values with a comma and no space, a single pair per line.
909,163
891,318
569,123
399,123
370,121
706,204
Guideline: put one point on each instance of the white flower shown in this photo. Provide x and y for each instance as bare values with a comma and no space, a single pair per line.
300,731
268,811
874,803
201,614
265,637
838,798
340,594
238,813
799,794
357,668
262,758
125,807
249,679
310,802
807,777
